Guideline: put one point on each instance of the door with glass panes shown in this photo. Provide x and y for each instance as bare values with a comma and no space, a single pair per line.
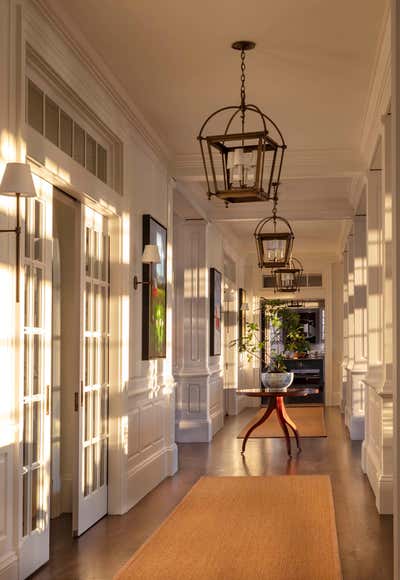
36,304
91,483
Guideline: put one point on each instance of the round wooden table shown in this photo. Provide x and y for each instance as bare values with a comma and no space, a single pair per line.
274,400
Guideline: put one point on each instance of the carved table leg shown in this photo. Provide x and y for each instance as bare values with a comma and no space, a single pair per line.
270,408
292,425
279,403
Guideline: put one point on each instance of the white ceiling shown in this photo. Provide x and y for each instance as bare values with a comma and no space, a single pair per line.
311,72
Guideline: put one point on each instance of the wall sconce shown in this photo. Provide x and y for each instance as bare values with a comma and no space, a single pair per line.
17,181
150,256
245,307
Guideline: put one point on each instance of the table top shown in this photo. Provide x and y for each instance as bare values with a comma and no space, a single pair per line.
291,392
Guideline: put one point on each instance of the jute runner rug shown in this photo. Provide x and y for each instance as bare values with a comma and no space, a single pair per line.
309,420
245,528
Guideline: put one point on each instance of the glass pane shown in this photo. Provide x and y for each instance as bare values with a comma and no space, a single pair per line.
37,240
28,234
90,154
104,257
101,163
36,363
27,309
103,462
96,256
79,144
87,362
25,453
104,410
88,253
88,307
66,133
36,431
104,357
96,321
27,341
87,417
103,309
35,107
95,409
106,361
95,458
35,498
51,121
95,361
87,482
25,487
37,297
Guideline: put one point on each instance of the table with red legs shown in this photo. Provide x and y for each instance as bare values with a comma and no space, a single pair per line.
275,401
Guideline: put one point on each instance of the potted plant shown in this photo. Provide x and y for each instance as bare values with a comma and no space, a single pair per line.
297,343
269,351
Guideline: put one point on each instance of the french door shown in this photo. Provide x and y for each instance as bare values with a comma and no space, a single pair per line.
36,422
91,491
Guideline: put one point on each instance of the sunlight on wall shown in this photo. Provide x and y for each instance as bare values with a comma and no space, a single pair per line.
125,224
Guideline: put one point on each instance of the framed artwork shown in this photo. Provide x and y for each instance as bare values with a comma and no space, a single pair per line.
154,316
242,313
215,311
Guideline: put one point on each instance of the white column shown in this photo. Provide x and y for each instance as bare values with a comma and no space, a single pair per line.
377,447
357,282
199,386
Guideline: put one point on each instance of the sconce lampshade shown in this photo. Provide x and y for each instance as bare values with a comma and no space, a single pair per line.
151,255
17,178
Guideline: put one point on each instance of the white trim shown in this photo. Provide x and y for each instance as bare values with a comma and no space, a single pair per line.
102,75
382,485
147,475
379,94
9,566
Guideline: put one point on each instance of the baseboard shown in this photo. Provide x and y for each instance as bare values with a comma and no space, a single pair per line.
193,431
217,421
382,484
357,428
147,475
9,567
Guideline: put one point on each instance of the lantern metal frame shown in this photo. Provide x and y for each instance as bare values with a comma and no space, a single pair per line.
260,142
295,268
261,236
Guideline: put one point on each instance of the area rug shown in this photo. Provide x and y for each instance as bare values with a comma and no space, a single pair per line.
310,422
245,528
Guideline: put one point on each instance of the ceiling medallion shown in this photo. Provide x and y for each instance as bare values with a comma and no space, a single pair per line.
241,166
288,279
274,240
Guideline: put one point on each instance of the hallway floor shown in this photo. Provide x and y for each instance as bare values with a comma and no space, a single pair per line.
365,538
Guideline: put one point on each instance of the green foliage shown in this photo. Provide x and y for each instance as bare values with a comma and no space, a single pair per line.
282,322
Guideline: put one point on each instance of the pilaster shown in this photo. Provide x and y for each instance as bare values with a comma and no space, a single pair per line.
199,390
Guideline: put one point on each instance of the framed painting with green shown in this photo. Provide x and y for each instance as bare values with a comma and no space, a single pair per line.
215,312
154,296
242,312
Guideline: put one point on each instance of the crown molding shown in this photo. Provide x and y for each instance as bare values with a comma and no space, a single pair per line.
378,101
80,47
298,163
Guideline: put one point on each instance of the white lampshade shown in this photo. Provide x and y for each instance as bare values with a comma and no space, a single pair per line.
151,255
17,178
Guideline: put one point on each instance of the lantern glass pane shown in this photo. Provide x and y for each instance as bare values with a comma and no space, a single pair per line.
241,168
274,250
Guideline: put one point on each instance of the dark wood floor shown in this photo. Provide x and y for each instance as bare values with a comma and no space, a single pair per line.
365,538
